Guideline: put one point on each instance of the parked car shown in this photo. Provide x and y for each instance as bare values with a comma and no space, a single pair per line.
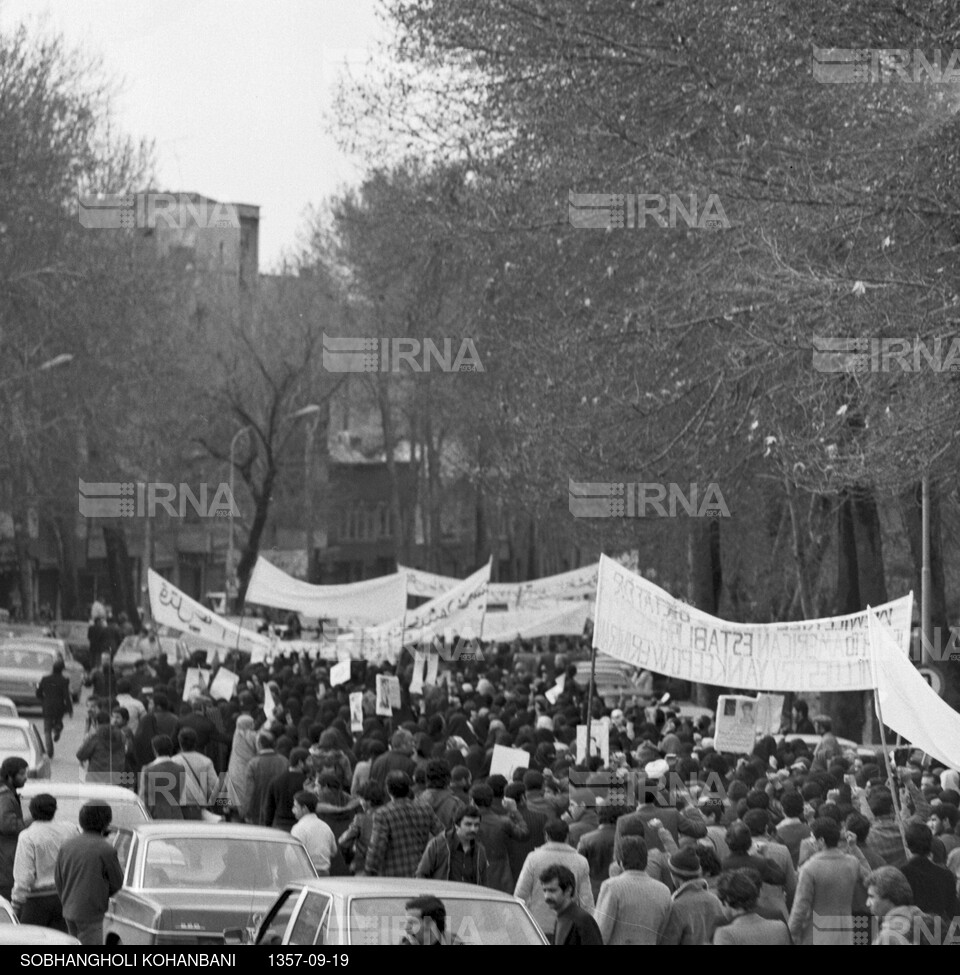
24,663
867,752
127,807
185,882
20,738
7,708
136,648
12,932
370,911
74,633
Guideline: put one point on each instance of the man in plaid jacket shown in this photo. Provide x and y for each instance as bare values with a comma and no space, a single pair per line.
401,831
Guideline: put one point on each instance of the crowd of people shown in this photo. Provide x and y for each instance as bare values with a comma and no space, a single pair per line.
669,842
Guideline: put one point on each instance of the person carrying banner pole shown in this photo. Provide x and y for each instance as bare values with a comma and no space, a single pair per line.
894,784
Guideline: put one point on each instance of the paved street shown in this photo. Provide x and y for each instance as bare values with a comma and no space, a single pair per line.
65,766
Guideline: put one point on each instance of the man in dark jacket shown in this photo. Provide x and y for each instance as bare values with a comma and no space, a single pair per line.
517,849
161,781
278,802
934,888
437,794
495,829
88,874
575,926
13,776
206,731
458,853
157,721
262,769
398,759
53,692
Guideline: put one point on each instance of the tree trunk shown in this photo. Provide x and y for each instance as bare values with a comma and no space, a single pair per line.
252,548
860,581
432,456
120,573
23,549
706,584
67,553
401,535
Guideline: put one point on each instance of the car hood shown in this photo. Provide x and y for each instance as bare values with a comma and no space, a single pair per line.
205,910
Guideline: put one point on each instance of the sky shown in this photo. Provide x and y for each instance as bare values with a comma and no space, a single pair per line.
235,94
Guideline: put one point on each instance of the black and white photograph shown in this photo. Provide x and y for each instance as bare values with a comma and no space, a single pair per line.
477,472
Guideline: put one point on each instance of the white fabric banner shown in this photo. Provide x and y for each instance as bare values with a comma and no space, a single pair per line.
908,704
576,584
645,626
423,583
171,607
431,618
368,603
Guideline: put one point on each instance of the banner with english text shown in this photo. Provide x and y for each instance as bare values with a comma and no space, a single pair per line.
644,625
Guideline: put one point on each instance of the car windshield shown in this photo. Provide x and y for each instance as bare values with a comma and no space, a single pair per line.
380,921
13,739
224,863
25,658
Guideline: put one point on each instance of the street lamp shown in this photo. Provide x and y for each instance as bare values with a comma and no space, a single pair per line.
312,410
228,593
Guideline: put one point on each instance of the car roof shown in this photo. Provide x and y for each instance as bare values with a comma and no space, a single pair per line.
46,643
400,887
81,790
22,723
171,829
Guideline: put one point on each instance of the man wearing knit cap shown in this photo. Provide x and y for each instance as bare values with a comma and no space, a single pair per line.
632,908
654,804
695,910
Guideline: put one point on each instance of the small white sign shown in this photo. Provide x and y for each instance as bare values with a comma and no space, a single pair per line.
599,738
505,760
224,685
340,673
356,711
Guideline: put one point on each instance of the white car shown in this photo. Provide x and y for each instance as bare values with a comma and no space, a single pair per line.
126,806
12,932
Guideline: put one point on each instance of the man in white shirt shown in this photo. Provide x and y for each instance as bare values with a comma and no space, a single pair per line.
135,708
200,777
312,832
34,893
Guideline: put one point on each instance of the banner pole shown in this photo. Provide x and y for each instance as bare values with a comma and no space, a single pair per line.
593,662
894,785
593,667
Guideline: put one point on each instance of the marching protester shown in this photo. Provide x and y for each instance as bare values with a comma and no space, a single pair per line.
13,776
56,702
679,842
87,874
35,894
